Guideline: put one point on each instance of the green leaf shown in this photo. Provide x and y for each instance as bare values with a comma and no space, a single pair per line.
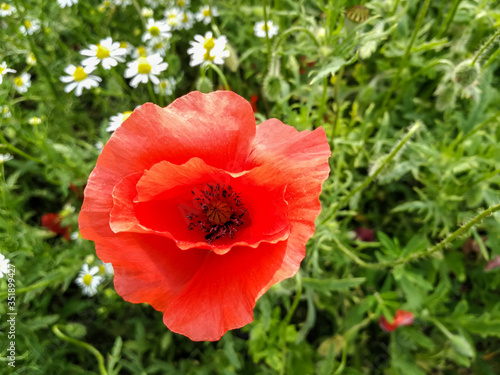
332,284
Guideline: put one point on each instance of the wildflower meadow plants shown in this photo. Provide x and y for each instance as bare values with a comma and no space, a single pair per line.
157,216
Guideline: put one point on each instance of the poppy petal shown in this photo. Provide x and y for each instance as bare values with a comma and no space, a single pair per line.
221,129
303,157
160,200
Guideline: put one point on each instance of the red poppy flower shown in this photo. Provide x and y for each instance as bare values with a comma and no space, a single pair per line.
200,211
402,318
52,221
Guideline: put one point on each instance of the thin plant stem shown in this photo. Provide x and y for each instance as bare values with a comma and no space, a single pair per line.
84,345
370,178
417,256
18,151
449,18
221,75
486,45
152,93
292,30
336,91
403,63
268,40
288,317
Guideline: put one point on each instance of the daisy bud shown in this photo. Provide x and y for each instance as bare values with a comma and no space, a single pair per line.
465,74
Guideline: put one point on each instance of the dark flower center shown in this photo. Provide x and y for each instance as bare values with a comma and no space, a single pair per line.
219,212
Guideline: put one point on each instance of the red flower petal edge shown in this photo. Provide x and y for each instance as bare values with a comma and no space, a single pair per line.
52,221
402,318
200,211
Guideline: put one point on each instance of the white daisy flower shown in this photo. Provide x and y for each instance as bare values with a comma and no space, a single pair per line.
6,10
29,27
208,48
66,3
160,48
145,69
152,3
123,3
88,280
166,86
206,13
105,269
107,52
187,20
4,70
173,17
147,12
4,262
260,29
34,121
116,120
79,78
22,83
140,51
156,30
75,236
31,59
99,145
4,158
5,112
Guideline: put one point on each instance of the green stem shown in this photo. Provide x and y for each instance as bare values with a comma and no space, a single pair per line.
288,317
152,93
292,30
369,179
35,286
84,345
449,18
395,81
416,256
18,151
491,40
268,40
336,89
221,75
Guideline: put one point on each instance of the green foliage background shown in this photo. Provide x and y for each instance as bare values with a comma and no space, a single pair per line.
366,84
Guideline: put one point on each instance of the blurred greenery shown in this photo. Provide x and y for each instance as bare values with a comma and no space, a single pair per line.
410,102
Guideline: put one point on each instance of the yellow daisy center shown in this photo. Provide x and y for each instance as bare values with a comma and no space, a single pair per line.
79,74
209,44
207,13
141,51
5,6
265,27
181,3
185,18
1,70
154,30
27,24
102,269
163,85
123,44
126,115
102,52
18,81
144,67
87,279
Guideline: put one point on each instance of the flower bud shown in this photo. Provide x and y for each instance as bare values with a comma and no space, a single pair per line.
75,330
204,85
465,74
